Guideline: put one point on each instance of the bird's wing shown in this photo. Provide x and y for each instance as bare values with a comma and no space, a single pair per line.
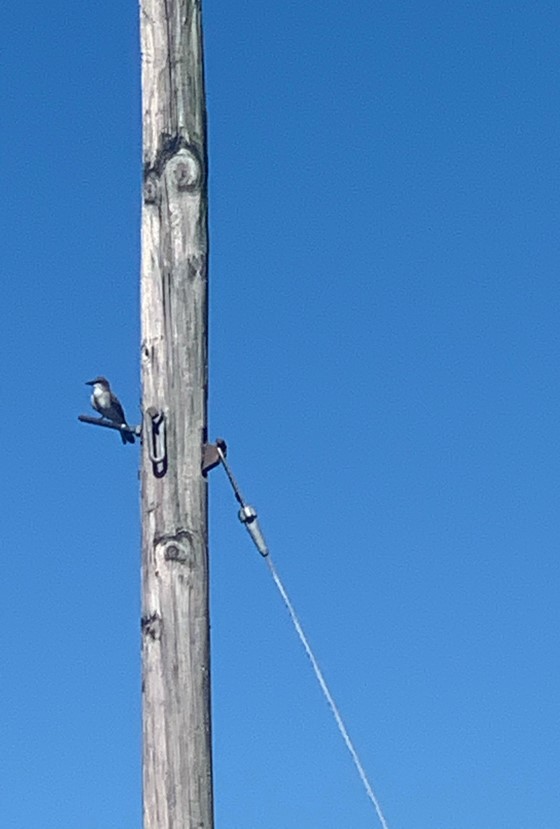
117,409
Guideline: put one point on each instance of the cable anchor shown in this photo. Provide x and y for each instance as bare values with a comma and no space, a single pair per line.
247,514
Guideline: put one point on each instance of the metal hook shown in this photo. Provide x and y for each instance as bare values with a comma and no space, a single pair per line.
157,441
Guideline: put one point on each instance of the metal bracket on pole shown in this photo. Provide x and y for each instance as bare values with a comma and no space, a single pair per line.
247,514
157,442
210,455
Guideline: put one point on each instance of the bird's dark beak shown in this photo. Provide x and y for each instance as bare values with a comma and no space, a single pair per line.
90,382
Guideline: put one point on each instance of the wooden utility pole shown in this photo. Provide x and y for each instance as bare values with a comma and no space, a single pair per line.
177,769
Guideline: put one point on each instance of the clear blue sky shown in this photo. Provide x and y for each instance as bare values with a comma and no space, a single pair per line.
385,306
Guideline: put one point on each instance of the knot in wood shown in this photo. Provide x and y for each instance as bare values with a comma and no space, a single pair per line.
151,189
175,553
152,626
187,171
178,549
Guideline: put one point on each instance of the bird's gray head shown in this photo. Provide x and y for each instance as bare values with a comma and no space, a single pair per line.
99,381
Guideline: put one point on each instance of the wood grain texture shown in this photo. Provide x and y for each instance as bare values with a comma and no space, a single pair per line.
177,771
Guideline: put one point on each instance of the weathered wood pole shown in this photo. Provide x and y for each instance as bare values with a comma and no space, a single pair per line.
177,769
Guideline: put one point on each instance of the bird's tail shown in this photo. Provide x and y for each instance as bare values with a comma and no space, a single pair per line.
127,437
